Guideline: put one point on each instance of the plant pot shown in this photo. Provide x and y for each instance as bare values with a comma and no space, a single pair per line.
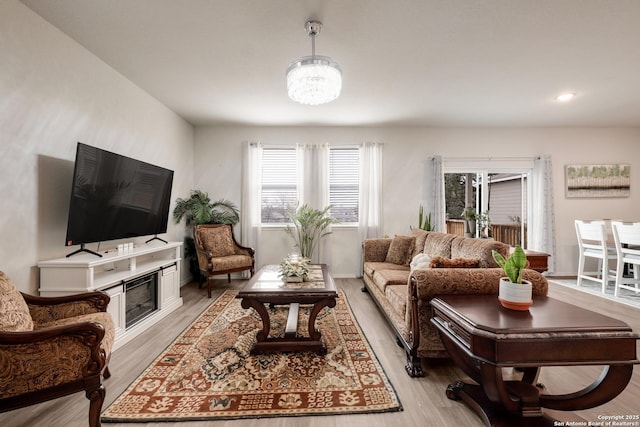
294,279
515,296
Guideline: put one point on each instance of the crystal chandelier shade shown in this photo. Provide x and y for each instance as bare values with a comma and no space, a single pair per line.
314,80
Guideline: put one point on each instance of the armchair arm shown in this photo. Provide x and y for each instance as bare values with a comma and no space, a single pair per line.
203,257
375,250
48,357
48,309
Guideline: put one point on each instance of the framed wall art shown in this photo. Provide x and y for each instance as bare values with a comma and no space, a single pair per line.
606,180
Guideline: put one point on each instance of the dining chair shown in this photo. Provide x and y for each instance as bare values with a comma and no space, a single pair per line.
627,240
592,243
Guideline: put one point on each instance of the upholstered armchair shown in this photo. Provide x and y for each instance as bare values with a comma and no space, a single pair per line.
219,253
53,347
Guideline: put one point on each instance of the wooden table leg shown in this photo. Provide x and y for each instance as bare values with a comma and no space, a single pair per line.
262,335
315,334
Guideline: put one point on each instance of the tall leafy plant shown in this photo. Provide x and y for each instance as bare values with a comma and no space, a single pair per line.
199,209
424,221
309,226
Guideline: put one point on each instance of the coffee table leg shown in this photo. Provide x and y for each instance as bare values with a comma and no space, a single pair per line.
315,334
262,335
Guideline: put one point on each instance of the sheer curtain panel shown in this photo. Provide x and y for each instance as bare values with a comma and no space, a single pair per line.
313,188
542,221
250,217
434,193
370,203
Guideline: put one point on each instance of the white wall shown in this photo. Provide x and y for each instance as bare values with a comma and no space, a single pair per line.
54,93
218,153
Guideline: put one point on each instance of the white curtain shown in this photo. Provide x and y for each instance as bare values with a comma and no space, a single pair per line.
250,205
370,203
542,221
433,196
313,188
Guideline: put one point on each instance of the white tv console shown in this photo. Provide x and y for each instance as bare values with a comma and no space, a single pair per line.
86,272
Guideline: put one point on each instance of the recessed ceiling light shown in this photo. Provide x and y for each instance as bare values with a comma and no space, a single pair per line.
565,97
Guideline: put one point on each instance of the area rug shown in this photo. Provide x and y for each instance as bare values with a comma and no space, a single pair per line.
625,296
208,373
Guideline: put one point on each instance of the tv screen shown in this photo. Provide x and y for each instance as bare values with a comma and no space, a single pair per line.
116,197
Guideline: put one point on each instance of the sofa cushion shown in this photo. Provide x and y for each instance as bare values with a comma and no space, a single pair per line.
397,296
439,244
439,262
401,250
421,237
14,312
463,247
384,278
218,241
371,267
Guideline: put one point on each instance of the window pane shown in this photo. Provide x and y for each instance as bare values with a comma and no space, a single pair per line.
278,184
344,184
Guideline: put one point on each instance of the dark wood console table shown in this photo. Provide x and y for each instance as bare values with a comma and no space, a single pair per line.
482,337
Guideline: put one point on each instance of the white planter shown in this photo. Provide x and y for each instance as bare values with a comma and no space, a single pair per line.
515,296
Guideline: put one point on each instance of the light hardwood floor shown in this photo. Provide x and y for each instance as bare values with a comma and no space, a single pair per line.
423,399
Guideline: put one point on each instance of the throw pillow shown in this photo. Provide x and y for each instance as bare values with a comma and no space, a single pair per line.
439,262
420,262
14,312
218,241
400,250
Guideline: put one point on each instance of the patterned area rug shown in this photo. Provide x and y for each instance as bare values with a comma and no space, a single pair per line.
208,373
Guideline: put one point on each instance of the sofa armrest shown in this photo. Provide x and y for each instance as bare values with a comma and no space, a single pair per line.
440,281
375,250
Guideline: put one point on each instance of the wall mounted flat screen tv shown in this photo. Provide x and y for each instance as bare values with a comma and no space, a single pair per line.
116,197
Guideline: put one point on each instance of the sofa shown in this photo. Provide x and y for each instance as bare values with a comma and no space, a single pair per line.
402,274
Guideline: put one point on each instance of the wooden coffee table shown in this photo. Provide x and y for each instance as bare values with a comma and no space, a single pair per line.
482,337
265,287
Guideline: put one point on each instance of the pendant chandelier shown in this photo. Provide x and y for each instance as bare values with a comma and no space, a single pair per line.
314,80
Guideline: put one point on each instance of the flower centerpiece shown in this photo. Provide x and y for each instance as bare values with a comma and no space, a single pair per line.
294,268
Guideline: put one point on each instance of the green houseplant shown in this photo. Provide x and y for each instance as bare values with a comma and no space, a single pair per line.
515,292
309,226
424,221
199,209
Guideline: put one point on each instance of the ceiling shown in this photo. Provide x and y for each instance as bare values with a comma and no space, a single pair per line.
455,63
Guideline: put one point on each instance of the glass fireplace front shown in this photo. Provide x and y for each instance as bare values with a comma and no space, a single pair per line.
141,298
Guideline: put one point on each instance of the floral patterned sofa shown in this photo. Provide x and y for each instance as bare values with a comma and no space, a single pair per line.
456,265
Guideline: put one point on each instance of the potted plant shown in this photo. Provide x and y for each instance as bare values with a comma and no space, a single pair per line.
469,215
309,226
514,293
199,209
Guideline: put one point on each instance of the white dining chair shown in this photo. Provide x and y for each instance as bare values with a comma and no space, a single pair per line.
592,243
627,240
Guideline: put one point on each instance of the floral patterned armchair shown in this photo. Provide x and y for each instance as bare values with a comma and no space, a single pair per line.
53,347
219,253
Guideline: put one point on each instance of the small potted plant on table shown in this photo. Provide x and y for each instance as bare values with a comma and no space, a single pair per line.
515,293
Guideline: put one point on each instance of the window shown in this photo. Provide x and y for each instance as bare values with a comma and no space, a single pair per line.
279,189
344,183
279,184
